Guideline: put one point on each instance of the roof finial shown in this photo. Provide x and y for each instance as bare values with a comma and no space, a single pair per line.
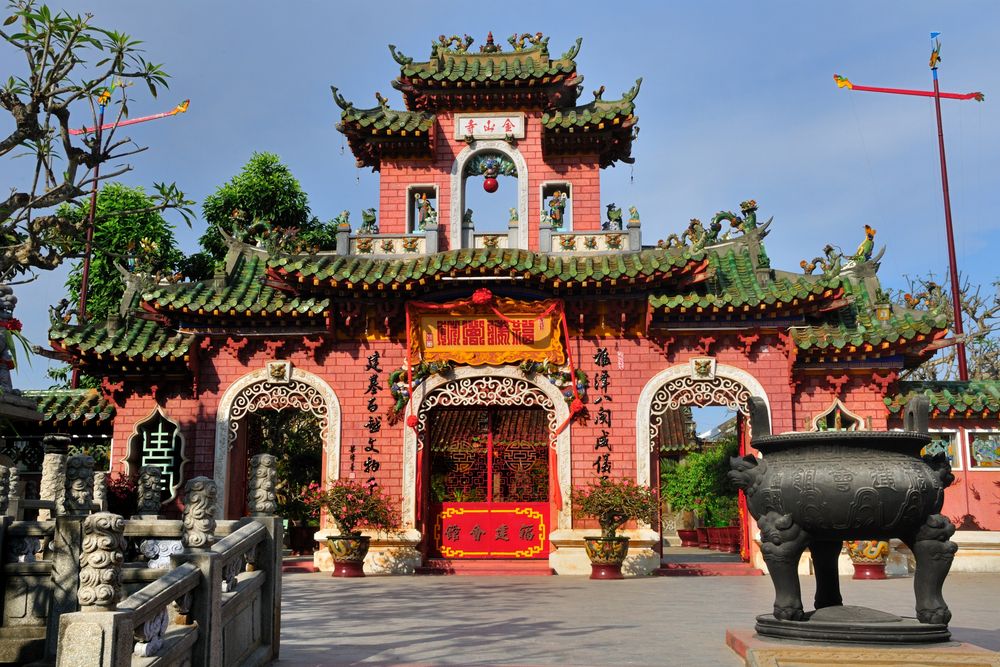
490,46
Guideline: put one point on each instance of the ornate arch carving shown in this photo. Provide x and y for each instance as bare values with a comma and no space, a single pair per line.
458,188
683,385
505,385
261,390
487,391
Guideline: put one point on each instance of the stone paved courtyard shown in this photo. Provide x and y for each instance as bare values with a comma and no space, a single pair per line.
431,621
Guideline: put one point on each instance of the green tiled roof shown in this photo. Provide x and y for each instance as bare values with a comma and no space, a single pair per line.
545,268
137,340
975,397
72,406
245,294
734,283
453,65
856,325
382,119
597,115
381,132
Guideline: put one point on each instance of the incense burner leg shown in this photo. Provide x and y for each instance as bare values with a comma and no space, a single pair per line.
934,553
782,544
824,556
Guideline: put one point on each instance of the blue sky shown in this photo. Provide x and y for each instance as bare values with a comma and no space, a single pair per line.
738,101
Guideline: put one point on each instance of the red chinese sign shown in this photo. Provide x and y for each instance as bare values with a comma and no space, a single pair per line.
492,530
503,331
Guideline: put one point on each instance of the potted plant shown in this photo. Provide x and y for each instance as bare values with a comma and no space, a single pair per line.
700,483
351,506
676,500
723,530
300,505
612,503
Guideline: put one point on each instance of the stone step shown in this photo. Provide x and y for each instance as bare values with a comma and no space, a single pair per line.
22,644
487,568
708,569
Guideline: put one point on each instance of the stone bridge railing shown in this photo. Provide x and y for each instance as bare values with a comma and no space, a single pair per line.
86,587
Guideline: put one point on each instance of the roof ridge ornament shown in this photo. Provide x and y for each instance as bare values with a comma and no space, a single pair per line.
631,93
518,41
339,99
399,57
461,45
490,46
573,50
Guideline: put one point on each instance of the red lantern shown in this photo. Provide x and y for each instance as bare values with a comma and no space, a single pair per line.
490,184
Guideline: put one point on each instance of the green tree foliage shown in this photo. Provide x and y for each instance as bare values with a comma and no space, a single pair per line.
69,63
700,484
263,202
128,231
980,320
295,439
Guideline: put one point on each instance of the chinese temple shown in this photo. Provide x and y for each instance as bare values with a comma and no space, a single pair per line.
479,375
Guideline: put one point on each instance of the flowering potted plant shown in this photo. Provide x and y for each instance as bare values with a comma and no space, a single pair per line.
612,503
351,505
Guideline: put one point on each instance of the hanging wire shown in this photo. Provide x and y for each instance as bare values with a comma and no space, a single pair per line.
872,183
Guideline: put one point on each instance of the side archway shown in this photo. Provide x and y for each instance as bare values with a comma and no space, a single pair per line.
487,386
264,389
678,386
458,188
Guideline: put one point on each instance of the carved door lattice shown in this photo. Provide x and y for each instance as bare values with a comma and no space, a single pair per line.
488,440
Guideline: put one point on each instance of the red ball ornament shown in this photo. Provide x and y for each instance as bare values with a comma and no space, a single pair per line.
490,184
412,421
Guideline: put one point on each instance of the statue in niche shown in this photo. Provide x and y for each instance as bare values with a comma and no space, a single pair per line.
557,209
426,215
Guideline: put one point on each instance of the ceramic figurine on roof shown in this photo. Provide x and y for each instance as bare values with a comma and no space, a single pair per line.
864,252
745,223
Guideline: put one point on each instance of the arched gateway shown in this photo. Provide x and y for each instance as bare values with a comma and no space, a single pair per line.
700,382
277,386
478,387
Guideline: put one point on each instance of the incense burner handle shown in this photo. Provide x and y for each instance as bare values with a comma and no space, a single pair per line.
760,421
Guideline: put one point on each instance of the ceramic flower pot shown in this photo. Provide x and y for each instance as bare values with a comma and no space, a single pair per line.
606,556
869,558
732,539
301,541
715,538
348,553
702,538
689,538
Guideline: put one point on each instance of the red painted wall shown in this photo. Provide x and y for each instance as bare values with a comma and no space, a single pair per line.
581,171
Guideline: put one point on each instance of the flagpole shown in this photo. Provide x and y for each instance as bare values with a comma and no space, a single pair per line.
956,299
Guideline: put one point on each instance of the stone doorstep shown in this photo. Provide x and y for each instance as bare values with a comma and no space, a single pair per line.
761,652
978,551
22,644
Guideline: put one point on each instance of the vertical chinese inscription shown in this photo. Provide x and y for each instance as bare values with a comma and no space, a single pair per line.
373,424
603,415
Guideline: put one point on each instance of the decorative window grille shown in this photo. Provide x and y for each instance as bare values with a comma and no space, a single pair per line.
158,442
